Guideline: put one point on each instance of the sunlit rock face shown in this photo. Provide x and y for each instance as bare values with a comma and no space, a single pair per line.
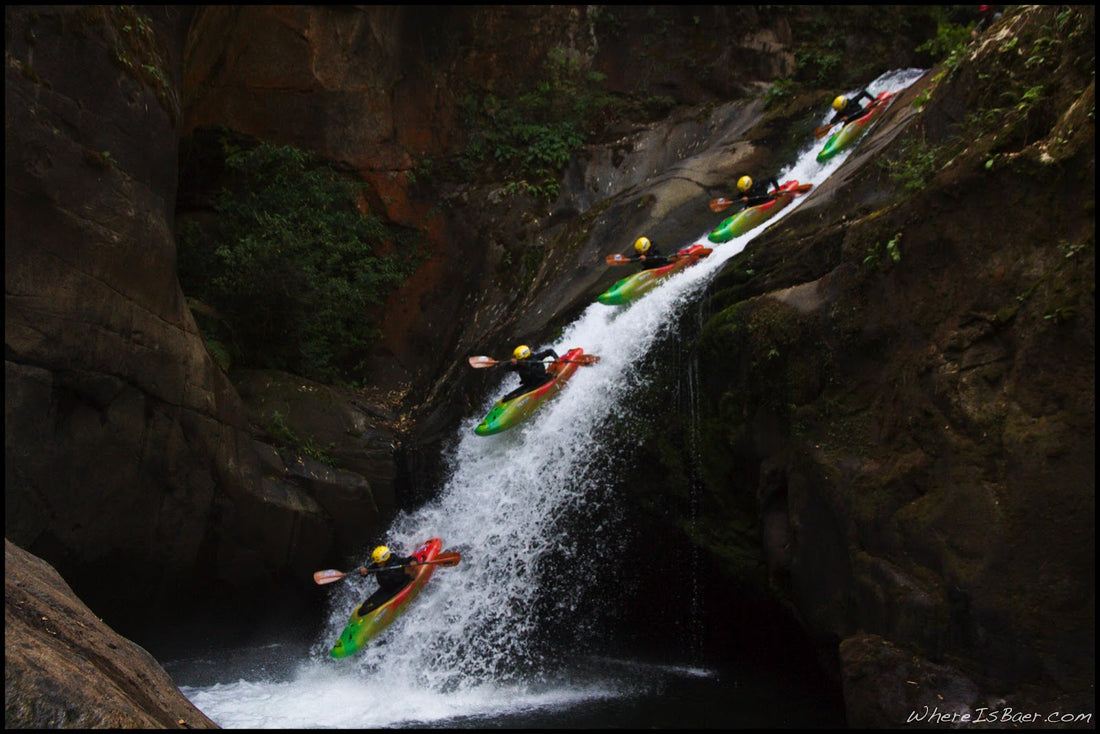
65,669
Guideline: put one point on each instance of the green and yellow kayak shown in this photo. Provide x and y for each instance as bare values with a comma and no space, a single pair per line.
754,216
642,282
362,628
846,136
510,414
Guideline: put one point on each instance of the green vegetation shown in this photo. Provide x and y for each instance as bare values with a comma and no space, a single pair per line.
912,165
1012,100
921,99
282,434
532,136
99,158
1015,94
840,51
290,265
527,139
1072,250
779,92
137,50
950,41
892,250
820,65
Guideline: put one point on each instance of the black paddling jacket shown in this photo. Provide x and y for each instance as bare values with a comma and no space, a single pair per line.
397,573
758,193
532,372
654,259
853,111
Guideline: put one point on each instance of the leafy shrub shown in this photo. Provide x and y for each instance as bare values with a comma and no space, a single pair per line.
781,90
291,265
950,39
912,165
820,65
530,137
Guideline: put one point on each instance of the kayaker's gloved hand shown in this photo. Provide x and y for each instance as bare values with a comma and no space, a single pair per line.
362,570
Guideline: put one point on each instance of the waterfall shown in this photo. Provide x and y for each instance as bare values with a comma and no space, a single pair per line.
496,632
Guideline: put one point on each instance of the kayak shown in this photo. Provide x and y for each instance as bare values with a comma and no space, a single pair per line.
754,216
640,283
507,415
846,136
361,629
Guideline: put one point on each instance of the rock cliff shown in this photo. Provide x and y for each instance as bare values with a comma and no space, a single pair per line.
906,442
899,392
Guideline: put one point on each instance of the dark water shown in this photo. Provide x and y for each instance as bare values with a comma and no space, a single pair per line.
284,683
235,691
686,698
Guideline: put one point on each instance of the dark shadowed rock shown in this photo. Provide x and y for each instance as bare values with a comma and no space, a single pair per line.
905,379
128,450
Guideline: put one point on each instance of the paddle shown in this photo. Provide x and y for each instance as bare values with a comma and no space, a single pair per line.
618,259
479,363
450,558
721,204
824,129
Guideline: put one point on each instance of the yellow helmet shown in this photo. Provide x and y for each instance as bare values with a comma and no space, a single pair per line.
381,554
522,352
744,184
840,102
641,245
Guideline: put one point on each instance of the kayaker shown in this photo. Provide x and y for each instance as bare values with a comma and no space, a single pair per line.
756,194
649,255
530,368
398,572
848,110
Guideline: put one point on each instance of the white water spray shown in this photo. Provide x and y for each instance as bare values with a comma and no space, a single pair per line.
475,643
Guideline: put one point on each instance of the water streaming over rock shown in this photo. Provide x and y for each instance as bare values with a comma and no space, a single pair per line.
491,637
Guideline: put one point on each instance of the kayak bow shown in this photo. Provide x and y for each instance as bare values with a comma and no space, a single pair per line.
636,285
510,414
754,216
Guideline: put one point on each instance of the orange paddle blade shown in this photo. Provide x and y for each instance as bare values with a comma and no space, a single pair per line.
693,255
479,363
448,559
328,576
618,259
